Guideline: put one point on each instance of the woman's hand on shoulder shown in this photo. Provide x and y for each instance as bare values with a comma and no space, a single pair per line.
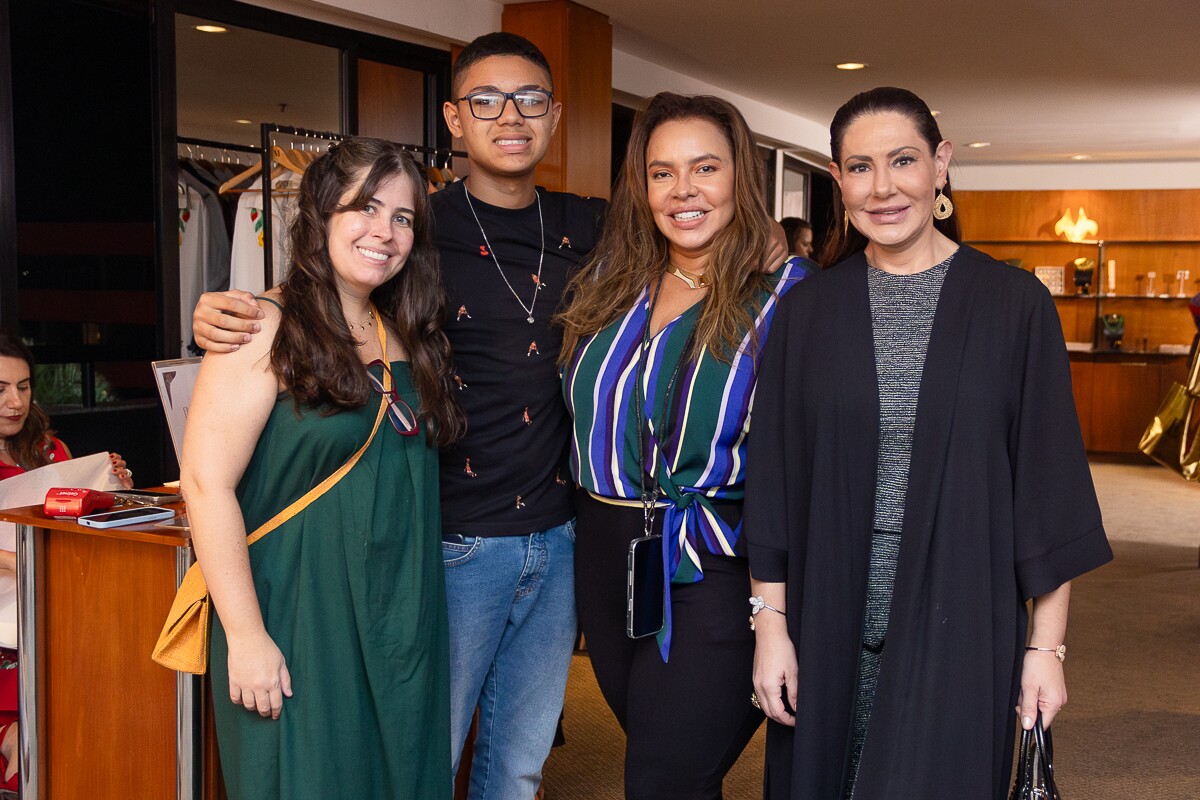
224,321
258,674
1043,688
777,249
776,672
265,327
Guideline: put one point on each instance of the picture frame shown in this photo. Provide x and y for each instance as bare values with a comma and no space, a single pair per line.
1051,277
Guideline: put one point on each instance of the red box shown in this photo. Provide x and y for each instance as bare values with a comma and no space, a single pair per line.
71,503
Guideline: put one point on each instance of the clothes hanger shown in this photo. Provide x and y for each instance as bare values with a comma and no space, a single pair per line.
447,172
287,159
230,186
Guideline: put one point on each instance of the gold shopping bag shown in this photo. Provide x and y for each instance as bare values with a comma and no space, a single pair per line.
1173,437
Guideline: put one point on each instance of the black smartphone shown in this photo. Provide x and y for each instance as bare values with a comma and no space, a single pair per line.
645,611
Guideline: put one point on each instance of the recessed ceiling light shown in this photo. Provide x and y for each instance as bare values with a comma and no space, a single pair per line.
936,113
1080,157
851,65
977,145
244,122
210,28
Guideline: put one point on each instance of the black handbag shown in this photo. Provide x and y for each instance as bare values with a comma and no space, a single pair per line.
1035,768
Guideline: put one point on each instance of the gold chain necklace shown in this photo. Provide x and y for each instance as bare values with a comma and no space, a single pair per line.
695,280
361,326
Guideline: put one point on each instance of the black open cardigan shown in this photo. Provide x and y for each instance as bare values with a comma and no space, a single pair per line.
1000,508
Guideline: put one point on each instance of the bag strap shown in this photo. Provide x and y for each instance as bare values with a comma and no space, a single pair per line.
1045,753
327,484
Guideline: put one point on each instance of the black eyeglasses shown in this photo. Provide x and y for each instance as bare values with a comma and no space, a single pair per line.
530,103
399,413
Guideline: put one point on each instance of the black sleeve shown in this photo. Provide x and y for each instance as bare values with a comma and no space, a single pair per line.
776,431
1058,530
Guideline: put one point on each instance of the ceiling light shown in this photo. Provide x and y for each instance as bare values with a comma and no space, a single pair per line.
849,65
936,113
243,122
1080,157
210,28
977,145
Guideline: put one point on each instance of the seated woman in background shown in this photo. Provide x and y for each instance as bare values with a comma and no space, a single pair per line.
26,442
661,345
329,642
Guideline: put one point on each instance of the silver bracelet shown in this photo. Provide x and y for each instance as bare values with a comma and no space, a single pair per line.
757,604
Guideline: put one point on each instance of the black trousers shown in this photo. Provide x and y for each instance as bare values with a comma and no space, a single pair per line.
686,721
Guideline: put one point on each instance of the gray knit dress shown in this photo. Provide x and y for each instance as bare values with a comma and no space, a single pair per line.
902,310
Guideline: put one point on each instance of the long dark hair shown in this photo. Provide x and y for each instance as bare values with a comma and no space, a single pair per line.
31,446
843,239
632,251
314,354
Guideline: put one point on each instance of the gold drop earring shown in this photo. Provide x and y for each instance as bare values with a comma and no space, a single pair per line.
942,207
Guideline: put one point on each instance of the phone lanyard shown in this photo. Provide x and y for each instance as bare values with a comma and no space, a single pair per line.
650,495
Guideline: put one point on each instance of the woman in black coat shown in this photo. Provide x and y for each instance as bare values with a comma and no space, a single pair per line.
916,476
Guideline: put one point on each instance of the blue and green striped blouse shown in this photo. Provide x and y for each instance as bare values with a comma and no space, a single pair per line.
703,459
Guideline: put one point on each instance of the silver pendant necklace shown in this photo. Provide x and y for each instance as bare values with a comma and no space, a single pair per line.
537,281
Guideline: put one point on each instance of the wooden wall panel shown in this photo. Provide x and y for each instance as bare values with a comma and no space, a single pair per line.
1082,376
578,44
1124,399
1143,231
588,140
1078,318
391,102
1150,323
1158,215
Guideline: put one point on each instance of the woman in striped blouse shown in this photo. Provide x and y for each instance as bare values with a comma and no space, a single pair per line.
660,354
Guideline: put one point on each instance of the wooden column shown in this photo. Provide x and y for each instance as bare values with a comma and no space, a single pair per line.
577,42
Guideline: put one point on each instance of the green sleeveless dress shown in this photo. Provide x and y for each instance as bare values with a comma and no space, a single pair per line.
352,591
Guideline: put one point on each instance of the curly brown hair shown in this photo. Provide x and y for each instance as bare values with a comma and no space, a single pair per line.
632,251
31,446
314,354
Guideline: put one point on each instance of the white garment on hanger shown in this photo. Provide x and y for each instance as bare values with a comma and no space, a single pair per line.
193,246
246,264
203,250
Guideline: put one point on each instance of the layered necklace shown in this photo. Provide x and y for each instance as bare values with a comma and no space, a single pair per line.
361,327
537,281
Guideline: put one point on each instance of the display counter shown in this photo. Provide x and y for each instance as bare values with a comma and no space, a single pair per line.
99,718
1116,395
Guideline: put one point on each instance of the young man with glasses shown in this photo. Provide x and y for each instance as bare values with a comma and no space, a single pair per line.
507,249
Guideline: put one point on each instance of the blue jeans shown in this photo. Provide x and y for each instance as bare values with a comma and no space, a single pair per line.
512,630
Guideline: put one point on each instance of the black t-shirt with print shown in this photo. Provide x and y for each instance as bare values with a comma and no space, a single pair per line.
508,476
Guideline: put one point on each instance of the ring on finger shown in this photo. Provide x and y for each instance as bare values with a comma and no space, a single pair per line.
754,700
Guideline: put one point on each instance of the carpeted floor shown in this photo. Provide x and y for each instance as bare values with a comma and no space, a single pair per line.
1132,728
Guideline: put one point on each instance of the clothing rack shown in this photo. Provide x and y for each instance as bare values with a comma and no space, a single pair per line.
226,151
269,131
241,148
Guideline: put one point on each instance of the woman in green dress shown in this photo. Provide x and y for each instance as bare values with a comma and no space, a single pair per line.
329,635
